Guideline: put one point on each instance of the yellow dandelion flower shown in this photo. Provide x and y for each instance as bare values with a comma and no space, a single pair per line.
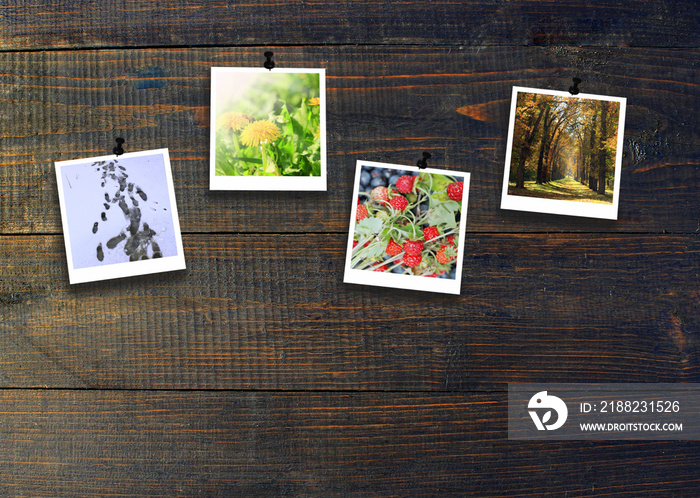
315,101
233,120
259,131
318,132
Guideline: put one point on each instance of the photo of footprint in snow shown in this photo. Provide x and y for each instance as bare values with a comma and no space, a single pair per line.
118,210
138,236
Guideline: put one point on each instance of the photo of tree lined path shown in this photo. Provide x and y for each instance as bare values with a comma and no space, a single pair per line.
564,148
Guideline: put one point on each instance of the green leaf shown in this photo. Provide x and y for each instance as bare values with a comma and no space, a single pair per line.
441,215
412,231
369,226
438,198
247,160
435,182
375,250
452,206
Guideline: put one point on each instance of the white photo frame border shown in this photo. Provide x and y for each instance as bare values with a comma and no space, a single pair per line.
131,268
557,206
407,282
291,183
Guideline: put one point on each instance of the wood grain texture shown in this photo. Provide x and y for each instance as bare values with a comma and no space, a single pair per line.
256,371
39,24
121,443
384,104
271,312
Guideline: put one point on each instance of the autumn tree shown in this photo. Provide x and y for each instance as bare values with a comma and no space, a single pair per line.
602,155
528,115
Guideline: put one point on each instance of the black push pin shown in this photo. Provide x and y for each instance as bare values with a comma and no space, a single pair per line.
269,63
422,163
573,90
118,150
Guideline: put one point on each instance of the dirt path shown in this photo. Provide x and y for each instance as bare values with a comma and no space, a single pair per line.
566,189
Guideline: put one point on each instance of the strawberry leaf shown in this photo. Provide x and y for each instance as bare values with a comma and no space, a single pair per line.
452,206
442,215
375,250
369,226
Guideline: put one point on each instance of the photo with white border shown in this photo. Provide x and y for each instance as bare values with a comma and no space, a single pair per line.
407,227
564,153
119,216
268,129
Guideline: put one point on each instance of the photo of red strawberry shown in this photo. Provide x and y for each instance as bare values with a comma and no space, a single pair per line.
455,190
380,195
430,233
411,260
405,184
407,224
362,212
413,247
445,255
392,248
399,203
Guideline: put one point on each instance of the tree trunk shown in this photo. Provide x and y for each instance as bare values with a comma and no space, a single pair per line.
542,146
592,182
602,159
525,152
591,154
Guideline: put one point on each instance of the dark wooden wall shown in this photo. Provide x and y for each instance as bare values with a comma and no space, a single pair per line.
257,371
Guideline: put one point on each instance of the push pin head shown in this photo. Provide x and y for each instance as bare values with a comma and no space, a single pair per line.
422,163
573,90
118,150
269,63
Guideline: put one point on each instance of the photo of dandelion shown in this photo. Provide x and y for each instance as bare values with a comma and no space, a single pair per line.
267,123
407,222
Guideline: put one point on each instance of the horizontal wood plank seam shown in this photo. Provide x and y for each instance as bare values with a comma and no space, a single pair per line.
331,45
344,232
252,390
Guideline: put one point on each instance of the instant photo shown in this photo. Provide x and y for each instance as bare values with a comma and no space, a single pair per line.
564,153
119,216
268,129
407,228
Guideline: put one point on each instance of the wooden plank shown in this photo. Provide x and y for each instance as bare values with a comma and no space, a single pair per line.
271,312
42,24
384,103
122,443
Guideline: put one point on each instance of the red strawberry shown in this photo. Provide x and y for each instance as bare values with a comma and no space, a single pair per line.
413,247
430,233
450,239
392,248
354,244
380,195
411,260
445,254
405,184
379,267
454,190
362,212
399,203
